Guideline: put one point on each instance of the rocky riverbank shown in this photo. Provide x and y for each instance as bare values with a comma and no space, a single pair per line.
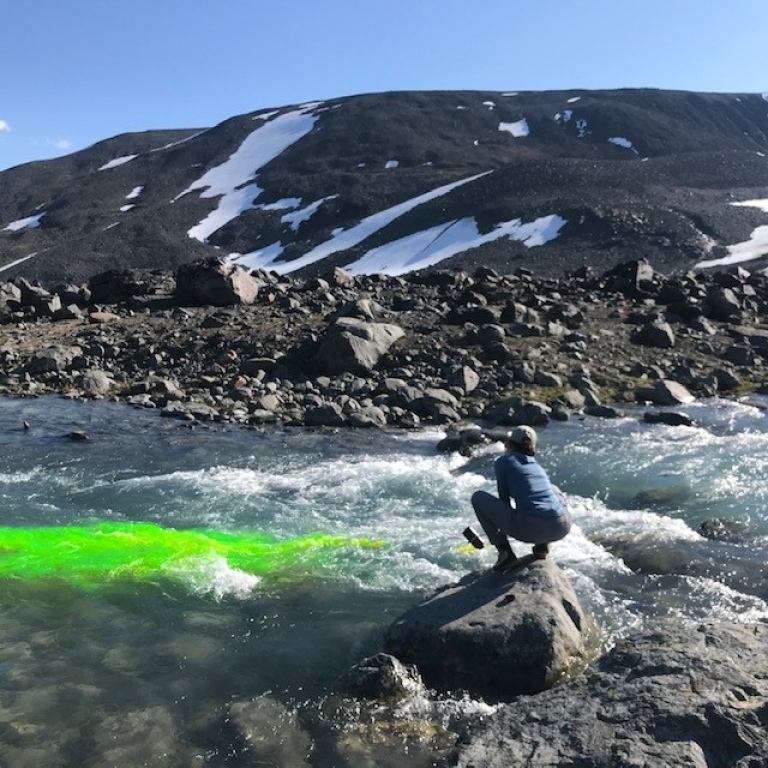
667,697
670,695
214,342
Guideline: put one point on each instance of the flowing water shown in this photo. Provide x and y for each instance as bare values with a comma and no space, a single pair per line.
156,576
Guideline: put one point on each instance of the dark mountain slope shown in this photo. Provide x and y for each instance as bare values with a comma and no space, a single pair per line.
613,174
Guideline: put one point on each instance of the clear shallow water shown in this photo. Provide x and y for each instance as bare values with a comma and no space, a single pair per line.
82,669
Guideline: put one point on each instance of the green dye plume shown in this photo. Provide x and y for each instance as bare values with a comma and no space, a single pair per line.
92,555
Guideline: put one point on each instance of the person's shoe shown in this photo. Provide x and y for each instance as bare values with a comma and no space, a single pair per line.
540,551
507,559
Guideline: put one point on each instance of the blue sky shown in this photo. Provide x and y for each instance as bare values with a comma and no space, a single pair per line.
77,72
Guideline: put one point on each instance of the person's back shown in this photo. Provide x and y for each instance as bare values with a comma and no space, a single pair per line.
522,478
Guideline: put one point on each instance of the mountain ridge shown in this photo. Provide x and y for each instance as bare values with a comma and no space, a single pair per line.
359,182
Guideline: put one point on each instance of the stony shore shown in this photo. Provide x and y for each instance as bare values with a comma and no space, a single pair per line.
212,342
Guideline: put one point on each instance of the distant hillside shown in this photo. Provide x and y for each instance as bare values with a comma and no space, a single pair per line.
396,182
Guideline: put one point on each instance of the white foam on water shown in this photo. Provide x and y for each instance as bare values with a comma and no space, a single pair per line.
444,709
17,478
635,525
212,576
704,599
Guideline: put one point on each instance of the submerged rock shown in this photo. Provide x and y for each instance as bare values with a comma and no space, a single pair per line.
268,733
670,418
383,677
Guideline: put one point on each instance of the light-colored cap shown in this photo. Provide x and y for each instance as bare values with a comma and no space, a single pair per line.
523,436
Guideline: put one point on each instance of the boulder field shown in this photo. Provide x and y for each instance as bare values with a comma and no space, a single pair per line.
214,342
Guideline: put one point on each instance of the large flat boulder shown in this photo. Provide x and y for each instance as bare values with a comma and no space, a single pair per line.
496,635
673,695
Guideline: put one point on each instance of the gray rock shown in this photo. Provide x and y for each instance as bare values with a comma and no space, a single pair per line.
68,312
463,377
102,317
632,278
356,346
672,696
269,402
739,355
524,372
478,315
665,392
495,635
383,677
670,418
514,412
97,382
722,304
340,278
137,738
261,416
488,335
516,312
573,399
54,359
328,415
545,379
726,380
176,410
463,440
362,309
368,416
215,281
656,334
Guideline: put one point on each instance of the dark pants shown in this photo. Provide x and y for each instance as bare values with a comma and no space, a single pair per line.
500,520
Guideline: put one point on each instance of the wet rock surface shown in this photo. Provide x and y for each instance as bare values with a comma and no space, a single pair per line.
496,635
664,697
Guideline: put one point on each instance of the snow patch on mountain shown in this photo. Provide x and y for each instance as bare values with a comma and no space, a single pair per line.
267,258
134,193
17,261
30,222
761,204
227,180
518,129
427,248
117,162
286,204
620,141
180,141
754,248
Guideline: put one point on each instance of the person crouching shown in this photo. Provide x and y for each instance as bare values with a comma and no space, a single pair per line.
529,507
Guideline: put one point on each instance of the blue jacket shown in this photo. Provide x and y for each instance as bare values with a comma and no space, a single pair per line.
522,478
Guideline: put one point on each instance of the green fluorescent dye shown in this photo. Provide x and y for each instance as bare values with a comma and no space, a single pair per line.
105,551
